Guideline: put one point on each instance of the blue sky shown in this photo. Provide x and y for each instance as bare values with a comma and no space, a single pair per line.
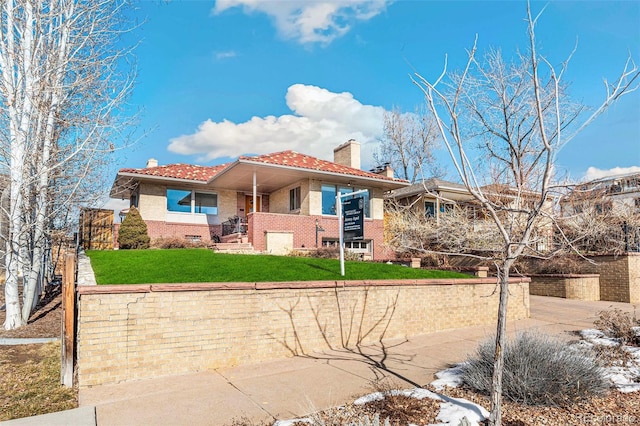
221,79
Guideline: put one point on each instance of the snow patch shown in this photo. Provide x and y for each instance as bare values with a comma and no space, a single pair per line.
451,377
453,410
624,378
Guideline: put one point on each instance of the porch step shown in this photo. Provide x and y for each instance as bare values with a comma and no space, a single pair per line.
238,248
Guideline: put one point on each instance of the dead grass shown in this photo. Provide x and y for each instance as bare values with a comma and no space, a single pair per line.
30,381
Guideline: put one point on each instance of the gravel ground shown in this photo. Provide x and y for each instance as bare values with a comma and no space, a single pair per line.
614,408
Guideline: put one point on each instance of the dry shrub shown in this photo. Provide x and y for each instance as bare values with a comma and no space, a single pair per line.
620,325
565,264
327,253
176,242
614,355
399,409
538,370
299,253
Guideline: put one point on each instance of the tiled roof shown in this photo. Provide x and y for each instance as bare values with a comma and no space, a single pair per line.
302,161
283,158
180,171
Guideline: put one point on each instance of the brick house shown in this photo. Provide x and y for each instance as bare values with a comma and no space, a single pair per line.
275,202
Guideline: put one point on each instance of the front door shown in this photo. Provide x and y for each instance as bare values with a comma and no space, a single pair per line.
248,204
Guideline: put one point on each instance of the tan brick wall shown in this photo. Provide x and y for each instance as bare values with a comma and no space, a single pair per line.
279,200
227,204
581,287
377,204
634,277
619,277
152,202
156,330
315,197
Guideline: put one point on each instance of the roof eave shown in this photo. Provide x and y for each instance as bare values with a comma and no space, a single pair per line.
161,178
381,180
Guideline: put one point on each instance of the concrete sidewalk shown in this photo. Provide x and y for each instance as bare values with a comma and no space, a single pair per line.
294,387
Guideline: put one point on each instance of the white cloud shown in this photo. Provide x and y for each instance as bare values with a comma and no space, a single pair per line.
595,173
310,21
226,55
321,120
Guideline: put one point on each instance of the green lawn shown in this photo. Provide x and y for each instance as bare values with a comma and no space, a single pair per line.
202,265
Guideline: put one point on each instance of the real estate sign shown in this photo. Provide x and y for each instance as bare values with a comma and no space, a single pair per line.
353,219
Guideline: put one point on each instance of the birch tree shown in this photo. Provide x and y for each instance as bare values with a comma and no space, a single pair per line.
508,120
62,86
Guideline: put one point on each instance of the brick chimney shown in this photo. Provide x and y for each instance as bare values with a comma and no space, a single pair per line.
348,154
385,170
152,162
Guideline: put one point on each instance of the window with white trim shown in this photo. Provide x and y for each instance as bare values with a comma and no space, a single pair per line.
363,246
191,201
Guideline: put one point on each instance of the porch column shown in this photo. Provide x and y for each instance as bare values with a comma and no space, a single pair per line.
437,208
255,193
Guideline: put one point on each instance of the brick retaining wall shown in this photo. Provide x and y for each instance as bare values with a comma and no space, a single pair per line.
569,286
130,332
619,277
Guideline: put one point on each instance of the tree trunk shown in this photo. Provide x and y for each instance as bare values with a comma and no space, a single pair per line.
495,419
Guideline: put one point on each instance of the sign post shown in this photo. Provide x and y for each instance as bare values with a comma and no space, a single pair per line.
351,221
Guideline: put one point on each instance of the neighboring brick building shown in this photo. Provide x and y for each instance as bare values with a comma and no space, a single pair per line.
294,194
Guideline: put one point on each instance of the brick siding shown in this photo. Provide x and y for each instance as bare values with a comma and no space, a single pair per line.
159,229
304,231
130,332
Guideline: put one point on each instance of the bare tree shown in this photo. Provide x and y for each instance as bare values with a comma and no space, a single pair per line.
516,117
408,143
597,221
63,80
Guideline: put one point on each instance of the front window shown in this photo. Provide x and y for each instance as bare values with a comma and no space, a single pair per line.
206,203
185,201
329,193
178,200
294,199
329,199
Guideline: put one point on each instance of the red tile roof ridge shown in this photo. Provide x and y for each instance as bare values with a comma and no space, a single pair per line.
179,171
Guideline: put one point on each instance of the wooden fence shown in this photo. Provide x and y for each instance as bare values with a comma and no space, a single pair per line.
68,319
